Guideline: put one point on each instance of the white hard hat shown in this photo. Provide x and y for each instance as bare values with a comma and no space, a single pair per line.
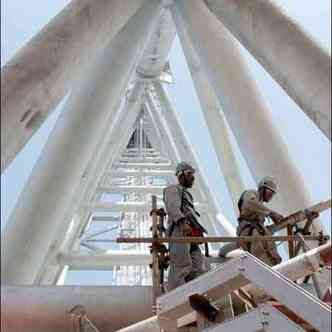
183,166
268,182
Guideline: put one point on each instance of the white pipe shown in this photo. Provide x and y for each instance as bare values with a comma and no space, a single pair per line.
113,140
144,166
127,172
307,263
54,180
178,134
153,190
58,301
136,207
36,79
121,129
216,122
302,266
148,325
155,55
178,149
174,146
104,261
294,269
285,50
142,160
154,134
166,139
245,110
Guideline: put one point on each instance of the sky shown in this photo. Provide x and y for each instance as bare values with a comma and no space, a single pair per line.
20,20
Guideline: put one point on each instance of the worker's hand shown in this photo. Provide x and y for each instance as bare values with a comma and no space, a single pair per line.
276,217
187,230
311,215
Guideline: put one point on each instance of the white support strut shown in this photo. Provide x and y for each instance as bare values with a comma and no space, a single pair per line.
36,79
292,57
37,216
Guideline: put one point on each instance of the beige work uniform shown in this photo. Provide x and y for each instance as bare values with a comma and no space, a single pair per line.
185,263
251,223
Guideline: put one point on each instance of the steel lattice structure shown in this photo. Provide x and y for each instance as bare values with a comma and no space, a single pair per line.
118,141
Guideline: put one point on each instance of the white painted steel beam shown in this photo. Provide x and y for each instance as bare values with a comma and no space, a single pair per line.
156,173
137,150
165,139
35,80
114,141
154,134
155,54
148,325
170,138
215,121
143,151
152,324
302,303
236,274
186,152
306,263
264,318
135,207
245,110
145,166
100,261
105,260
174,139
69,149
50,270
143,160
48,308
291,56
153,190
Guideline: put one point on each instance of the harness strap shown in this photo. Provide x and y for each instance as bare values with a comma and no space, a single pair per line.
252,227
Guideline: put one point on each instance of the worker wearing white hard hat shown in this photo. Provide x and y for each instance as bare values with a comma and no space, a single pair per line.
253,214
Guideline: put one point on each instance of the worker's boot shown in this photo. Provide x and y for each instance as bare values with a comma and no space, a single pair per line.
203,306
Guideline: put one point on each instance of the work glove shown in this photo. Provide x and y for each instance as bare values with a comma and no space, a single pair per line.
187,230
310,215
276,217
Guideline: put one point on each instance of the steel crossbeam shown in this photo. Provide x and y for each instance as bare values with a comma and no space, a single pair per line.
264,318
238,273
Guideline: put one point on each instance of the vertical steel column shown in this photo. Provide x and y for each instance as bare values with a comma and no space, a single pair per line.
60,170
285,50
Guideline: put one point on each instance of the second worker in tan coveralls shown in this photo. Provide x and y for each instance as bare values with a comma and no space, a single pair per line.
253,214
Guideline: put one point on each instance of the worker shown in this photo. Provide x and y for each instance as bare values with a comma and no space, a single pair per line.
186,259
253,214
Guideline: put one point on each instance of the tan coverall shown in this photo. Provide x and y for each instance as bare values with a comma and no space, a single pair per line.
186,261
251,223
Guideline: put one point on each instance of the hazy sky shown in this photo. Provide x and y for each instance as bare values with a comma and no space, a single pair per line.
20,20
